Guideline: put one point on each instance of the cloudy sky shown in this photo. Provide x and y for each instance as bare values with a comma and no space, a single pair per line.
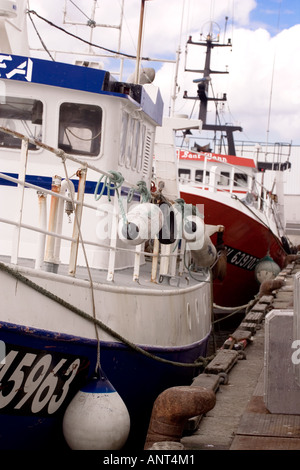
263,83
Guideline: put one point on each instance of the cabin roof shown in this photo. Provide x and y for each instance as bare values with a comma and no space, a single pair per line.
77,77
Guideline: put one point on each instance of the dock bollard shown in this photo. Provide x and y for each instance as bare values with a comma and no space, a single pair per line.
172,408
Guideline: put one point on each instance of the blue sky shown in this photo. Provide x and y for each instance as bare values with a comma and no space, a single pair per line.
275,14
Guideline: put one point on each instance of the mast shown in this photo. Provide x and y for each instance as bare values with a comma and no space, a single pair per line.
139,45
210,42
178,52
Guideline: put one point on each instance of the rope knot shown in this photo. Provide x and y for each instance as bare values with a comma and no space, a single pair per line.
140,188
113,181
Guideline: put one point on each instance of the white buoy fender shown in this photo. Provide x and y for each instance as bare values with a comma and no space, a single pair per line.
203,251
96,418
143,222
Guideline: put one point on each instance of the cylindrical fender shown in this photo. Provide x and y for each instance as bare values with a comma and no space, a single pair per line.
143,222
202,249
168,232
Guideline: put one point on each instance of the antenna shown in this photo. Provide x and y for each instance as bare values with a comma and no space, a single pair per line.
211,33
178,52
139,46
225,27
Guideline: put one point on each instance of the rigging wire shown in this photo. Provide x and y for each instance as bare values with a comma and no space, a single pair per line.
76,6
123,54
128,30
40,38
272,78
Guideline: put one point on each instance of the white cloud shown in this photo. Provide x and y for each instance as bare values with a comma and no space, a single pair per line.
263,78
249,85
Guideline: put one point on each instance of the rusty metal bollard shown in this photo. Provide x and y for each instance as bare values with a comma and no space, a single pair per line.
268,286
172,408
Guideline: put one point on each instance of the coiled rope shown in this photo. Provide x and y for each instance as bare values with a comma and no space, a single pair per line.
141,188
112,182
199,362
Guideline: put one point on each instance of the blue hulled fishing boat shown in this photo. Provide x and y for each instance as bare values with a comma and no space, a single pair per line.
97,302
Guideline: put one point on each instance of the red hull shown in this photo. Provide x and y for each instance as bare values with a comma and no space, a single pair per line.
247,241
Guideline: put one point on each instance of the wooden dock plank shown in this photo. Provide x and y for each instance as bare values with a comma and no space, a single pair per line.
260,307
223,362
240,334
271,425
249,327
254,317
266,299
211,382
264,443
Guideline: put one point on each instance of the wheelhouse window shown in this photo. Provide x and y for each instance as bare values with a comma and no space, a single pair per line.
240,179
135,144
224,178
199,176
124,132
140,152
23,115
184,175
80,129
132,142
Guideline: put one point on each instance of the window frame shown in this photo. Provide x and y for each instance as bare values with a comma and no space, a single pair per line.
33,135
61,129
132,141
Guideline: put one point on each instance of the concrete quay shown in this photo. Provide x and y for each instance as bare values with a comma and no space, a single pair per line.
244,382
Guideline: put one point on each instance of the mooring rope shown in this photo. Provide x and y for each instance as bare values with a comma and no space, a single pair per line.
199,362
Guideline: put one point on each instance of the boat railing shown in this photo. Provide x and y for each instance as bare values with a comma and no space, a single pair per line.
273,152
253,193
167,260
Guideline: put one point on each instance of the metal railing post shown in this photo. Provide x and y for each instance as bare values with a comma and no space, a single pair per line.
21,189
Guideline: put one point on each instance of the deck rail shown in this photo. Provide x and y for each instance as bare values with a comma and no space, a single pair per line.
254,193
166,259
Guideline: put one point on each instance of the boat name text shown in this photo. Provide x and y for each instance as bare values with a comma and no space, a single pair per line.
15,66
186,155
241,259
35,382
2,352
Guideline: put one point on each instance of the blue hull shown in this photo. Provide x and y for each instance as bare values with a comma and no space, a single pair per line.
42,371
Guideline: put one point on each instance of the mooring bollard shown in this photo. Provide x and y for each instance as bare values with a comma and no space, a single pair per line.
172,408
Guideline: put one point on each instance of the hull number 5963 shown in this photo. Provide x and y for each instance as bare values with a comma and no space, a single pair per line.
35,383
